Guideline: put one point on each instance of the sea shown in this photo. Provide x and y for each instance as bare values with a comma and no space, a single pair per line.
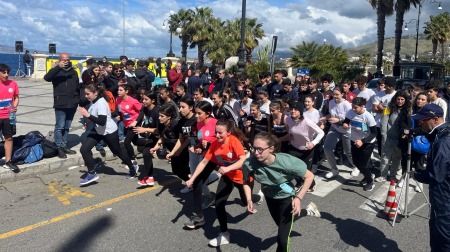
12,60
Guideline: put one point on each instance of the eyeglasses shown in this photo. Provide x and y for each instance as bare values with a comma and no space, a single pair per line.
221,73
260,150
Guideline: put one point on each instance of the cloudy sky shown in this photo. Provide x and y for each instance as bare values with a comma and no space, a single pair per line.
95,27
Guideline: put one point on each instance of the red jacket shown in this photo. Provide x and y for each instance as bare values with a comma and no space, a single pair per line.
174,78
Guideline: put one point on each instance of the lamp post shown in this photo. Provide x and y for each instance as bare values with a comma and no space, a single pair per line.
241,50
178,30
417,33
418,23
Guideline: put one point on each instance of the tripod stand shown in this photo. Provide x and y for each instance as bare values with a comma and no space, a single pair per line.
405,178
19,71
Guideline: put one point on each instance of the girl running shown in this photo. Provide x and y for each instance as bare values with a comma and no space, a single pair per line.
228,153
275,171
105,129
129,110
148,121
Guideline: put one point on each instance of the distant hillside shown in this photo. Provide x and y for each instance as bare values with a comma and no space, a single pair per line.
408,46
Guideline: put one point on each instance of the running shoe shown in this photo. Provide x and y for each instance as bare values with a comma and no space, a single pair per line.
312,210
331,174
89,179
221,239
195,222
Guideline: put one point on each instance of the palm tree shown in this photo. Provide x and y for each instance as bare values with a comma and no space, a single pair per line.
253,32
432,33
182,19
384,8
364,59
321,59
444,33
401,7
202,27
220,47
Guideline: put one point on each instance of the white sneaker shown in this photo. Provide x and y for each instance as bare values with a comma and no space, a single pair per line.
261,199
134,161
419,187
355,172
380,179
313,210
332,173
186,189
222,239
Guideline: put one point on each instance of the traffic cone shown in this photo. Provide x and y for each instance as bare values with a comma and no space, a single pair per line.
390,207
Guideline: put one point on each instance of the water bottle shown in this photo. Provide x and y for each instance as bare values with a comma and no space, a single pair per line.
12,120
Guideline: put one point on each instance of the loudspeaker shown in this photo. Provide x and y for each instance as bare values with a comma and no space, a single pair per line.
274,44
19,46
52,48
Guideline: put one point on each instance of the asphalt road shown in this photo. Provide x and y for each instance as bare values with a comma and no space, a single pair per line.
52,213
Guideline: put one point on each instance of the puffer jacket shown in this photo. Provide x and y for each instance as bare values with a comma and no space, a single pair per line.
66,87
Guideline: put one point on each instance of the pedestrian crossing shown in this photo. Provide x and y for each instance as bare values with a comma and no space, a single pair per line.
375,202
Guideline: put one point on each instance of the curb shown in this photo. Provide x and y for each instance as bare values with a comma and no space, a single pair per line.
48,166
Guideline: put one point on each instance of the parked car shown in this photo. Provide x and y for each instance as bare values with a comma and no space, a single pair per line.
372,83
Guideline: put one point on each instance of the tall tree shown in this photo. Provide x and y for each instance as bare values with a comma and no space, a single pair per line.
321,59
432,33
182,19
384,8
401,7
202,27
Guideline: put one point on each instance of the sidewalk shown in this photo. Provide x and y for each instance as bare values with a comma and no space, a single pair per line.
35,112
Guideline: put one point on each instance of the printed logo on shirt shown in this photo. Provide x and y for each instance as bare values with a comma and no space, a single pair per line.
6,103
359,125
230,155
207,133
11,90
127,106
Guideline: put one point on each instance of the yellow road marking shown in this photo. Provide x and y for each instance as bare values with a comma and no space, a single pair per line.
81,211
66,192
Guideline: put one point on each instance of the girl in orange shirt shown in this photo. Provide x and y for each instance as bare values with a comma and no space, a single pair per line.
228,153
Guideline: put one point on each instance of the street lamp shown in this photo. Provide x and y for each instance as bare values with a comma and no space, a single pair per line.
417,33
418,23
241,50
164,27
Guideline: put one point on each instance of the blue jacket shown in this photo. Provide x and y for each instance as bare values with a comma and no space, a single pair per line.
437,174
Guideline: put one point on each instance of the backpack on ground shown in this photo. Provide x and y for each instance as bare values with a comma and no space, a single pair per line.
36,154
49,148
29,151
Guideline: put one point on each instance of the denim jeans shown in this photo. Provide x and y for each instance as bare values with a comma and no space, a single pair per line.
63,118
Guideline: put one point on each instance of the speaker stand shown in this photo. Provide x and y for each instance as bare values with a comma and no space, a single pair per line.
19,72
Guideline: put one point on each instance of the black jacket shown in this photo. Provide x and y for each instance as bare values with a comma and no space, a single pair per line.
66,87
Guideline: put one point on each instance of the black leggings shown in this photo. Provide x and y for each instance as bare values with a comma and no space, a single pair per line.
307,157
198,185
112,140
280,210
180,165
130,137
147,170
224,189
361,159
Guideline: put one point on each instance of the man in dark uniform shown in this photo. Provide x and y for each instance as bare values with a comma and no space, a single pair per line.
437,174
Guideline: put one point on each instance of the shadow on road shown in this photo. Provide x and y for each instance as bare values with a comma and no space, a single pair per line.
356,233
85,237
